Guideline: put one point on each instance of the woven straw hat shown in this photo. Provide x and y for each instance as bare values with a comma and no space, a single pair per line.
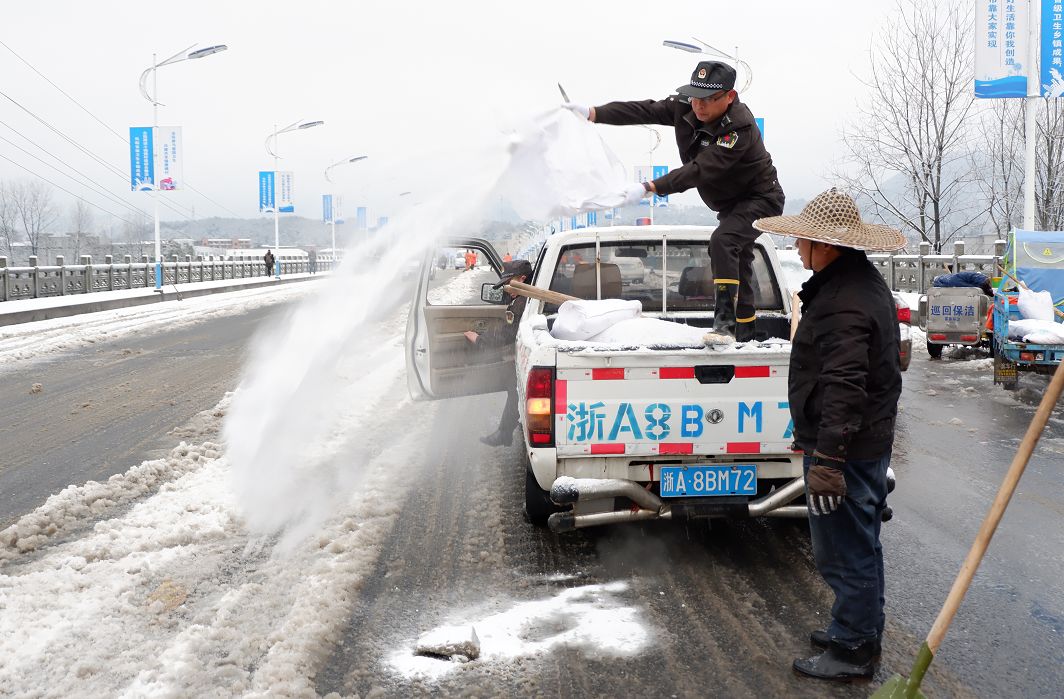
832,217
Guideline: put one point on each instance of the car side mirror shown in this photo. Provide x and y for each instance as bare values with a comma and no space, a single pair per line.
489,294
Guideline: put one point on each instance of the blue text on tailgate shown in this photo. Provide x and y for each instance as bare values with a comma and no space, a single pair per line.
594,422
690,481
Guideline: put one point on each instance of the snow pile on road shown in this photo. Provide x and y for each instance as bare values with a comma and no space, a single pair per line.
593,619
27,341
172,597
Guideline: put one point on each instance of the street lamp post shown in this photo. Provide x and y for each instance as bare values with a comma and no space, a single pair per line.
294,126
327,179
182,55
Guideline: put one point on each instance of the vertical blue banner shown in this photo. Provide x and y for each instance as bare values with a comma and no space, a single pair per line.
660,171
1051,70
1001,41
360,218
326,208
572,223
141,159
266,191
382,222
592,218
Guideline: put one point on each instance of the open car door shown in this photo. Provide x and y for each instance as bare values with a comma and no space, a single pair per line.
441,362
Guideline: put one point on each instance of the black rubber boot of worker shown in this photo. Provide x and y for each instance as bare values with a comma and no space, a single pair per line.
744,332
724,310
840,663
499,438
820,639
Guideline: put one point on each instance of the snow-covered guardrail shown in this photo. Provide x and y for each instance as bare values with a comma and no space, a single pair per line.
907,272
37,281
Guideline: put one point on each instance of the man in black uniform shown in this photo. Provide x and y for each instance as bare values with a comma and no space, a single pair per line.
518,271
724,158
843,389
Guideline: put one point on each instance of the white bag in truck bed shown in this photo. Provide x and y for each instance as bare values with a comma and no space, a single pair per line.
581,319
703,409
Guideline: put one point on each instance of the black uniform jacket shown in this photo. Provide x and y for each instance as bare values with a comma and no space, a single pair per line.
726,160
845,374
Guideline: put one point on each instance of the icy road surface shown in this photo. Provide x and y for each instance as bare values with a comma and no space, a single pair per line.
148,584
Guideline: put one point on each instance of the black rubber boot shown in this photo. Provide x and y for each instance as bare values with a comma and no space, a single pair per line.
820,639
744,332
499,438
723,317
840,663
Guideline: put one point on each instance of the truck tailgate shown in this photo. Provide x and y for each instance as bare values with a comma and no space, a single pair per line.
693,404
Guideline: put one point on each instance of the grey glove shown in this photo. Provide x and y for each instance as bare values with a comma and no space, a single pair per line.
826,488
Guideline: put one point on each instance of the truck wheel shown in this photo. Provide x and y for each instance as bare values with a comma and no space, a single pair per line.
935,351
538,505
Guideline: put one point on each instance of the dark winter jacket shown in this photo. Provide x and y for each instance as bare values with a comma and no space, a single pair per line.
726,161
502,335
845,375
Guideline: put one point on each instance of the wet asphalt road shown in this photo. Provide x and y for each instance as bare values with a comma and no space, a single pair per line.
725,610
107,407
729,609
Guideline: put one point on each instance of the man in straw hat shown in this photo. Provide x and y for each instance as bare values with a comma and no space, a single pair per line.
725,159
843,390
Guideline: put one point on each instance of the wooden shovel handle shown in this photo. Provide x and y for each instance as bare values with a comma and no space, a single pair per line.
532,292
997,509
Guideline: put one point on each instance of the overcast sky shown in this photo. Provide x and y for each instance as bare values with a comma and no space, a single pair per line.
402,82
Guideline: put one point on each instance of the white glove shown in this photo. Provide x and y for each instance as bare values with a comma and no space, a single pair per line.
578,109
634,193
824,504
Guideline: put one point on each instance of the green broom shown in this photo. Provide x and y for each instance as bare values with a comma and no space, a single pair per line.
897,687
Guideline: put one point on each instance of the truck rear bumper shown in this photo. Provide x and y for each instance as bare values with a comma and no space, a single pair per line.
647,506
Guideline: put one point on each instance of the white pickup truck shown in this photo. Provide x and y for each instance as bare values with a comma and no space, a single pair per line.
637,430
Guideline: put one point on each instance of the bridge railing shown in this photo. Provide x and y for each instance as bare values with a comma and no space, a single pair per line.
908,272
42,281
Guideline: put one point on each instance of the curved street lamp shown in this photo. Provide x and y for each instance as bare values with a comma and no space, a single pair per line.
332,222
294,126
182,55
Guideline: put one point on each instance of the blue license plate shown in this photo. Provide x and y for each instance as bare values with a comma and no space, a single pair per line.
698,481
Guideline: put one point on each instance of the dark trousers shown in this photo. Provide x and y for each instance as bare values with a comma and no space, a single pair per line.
848,554
269,268
731,249
509,418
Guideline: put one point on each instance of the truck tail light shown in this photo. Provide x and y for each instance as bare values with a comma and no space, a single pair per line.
969,338
905,315
539,406
937,337
1027,356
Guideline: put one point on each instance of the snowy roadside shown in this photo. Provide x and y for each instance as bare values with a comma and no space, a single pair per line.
172,596
29,341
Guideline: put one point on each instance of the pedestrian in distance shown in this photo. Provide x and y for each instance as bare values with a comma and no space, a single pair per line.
725,159
518,271
268,259
843,389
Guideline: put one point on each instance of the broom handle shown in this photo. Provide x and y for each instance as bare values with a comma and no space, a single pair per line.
533,292
997,509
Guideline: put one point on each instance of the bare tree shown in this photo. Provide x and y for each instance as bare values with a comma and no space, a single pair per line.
33,206
81,220
1001,162
8,223
908,158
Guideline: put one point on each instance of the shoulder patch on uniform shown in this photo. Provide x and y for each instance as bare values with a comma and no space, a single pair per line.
728,140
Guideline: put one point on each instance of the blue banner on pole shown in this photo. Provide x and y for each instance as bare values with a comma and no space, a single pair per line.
592,218
266,191
326,208
360,218
1051,70
141,159
660,171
